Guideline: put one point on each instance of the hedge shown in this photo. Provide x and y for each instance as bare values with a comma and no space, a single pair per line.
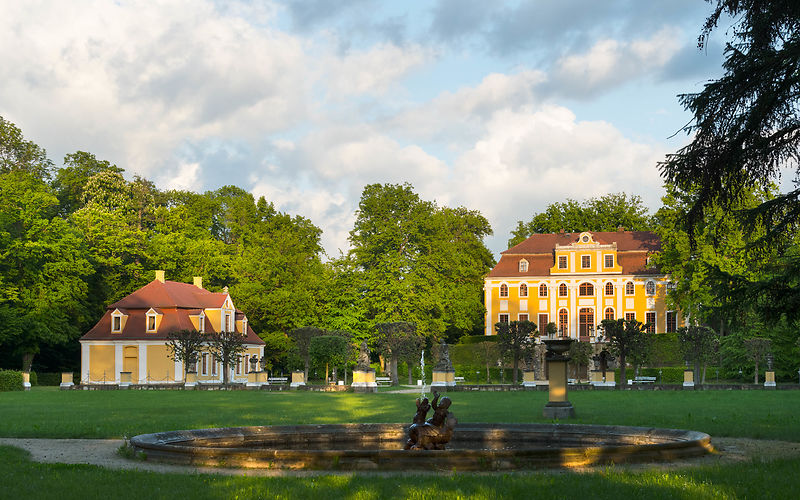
47,379
10,380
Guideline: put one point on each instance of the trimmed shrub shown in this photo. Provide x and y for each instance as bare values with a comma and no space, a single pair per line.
34,379
10,380
476,339
48,379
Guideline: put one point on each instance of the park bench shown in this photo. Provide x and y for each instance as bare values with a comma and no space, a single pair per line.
278,380
383,380
644,380
459,379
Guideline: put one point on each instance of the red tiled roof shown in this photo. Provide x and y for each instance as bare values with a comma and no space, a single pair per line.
175,301
539,250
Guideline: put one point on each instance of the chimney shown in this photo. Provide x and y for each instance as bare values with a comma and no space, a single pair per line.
620,229
562,231
160,275
198,282
225,289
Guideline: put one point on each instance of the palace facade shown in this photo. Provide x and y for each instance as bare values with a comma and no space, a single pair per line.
132,335
576,280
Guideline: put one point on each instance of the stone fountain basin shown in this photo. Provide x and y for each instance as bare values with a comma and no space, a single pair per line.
379,446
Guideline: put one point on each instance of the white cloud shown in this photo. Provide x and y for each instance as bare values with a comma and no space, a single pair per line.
610,62
372,71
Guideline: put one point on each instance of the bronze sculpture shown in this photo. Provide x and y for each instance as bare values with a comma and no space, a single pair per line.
437,431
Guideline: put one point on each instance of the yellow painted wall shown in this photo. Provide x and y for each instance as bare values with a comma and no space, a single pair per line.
159,366
101,363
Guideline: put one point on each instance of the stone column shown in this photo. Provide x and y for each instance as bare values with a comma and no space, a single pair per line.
124,380
558,405
364,374
26,381
769,380
688,379
66,380
443,373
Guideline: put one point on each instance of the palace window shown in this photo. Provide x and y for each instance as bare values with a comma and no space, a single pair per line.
523,266
202,323
503,317
523,317
542,290
630,316
151,322
543,320
204,366
562,261
563,322
672,321
609,288
610,313
650,288
586,261
609,260
523,290
586,290
116,324
227,326
504,290
650,320
629,288
562,290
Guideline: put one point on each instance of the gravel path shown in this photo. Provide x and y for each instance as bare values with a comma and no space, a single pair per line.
103,452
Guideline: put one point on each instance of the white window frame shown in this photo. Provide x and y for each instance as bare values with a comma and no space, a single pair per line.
605,260
566,262
523,286
500,318
650,288
523,266
586,258
154,317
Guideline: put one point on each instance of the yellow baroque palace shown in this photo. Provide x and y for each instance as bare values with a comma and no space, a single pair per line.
577,280
132,335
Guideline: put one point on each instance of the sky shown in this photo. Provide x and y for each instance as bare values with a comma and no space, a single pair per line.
500,106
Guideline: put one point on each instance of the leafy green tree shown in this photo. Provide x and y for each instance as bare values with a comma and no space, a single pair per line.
606,213
227,347
627,339
183,346
19,155
335,350
744,137
580,353
757,348
301,338
70,180
398,340
699,345
515,338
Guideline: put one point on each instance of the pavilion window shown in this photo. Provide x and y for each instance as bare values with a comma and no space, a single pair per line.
609,288
504,290
629,288
542,290
650,320
562,290
610,313
586,290
523,290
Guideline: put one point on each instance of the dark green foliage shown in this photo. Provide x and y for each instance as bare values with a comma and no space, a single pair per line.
606,213
333,350
185,346
629,341
516,338
10,380
666,350
699,345
477,339
580,354
47,379
227,347
398,341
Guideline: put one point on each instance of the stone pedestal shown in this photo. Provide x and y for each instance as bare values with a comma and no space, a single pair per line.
444,378
558,406
256,379
298,378
66,380
364,380
769,379
124,380
609,378
528,378
688,379
596,377
191,379
26,381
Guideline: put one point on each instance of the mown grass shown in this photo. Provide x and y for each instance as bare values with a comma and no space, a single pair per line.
112,414
22,478
104,414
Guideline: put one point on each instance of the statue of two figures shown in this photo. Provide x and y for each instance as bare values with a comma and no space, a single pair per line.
437,431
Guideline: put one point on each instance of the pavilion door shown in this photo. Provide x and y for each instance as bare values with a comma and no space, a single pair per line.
586,322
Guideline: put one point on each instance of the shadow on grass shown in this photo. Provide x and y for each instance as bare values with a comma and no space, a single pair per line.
25,479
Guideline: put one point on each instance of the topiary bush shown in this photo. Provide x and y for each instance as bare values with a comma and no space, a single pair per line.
10,380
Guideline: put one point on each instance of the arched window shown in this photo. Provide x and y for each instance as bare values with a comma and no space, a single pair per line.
586,290
523,266
650,288
562,290
563,322
504,290
609,288
629,288
542,290
610,313
523,290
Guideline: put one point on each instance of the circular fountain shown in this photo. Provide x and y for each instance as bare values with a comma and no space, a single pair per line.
380,446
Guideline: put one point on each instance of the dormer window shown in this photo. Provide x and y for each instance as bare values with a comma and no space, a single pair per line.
523,266
244,326
226,325
151,321
117,321
202,323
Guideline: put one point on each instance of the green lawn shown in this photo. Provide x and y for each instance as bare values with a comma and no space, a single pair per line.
110,414
48,413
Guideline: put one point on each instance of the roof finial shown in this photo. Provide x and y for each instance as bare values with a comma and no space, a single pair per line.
225,289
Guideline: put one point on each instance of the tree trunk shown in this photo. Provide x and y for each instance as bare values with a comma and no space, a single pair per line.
703,382
410,373
756,374
335,375
307,366
516,364
622,372
393,364
27,361
326,373
488,374
225,372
